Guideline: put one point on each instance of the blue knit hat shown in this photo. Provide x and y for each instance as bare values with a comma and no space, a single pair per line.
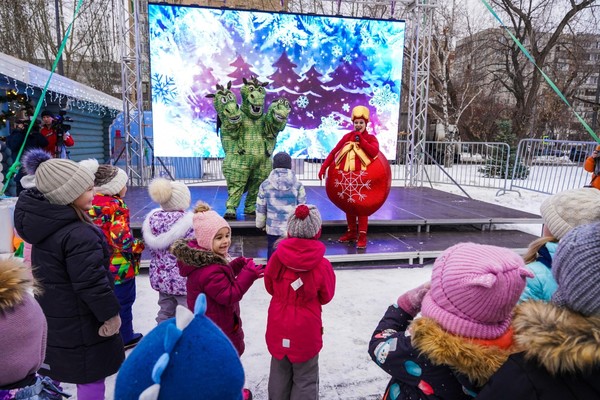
186,357
576,268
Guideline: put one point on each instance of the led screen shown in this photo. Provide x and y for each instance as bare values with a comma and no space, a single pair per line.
324,66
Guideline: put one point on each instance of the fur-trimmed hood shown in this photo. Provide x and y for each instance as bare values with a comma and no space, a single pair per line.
477,362
188,252
164,240
16,282
561,340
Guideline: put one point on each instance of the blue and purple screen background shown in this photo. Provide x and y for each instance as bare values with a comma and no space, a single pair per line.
324,66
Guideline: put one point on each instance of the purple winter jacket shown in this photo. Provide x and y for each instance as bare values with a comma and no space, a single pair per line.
223,283
161,229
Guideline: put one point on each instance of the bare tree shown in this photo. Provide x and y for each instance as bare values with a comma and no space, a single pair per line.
91,53
539,25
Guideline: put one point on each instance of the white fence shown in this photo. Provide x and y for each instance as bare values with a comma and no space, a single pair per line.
545,166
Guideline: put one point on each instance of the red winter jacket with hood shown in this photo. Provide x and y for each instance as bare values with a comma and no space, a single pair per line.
300,280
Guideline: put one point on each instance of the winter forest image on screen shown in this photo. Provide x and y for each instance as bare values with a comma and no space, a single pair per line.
324,66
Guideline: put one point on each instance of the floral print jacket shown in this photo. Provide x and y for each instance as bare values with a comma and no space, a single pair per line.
111,215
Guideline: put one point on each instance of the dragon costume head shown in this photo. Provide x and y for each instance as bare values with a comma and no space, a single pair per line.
253,97
225,103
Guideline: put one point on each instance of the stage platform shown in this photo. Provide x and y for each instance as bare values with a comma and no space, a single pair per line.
414,225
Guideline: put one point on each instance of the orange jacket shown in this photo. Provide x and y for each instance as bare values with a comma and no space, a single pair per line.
589,165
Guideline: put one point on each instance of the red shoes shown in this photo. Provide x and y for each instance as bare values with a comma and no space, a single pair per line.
362,240
348,237
246,394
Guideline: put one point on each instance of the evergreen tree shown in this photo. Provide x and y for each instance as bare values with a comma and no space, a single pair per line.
495,166
242,70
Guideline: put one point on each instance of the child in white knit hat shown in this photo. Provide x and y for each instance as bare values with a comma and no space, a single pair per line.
162,227
70,260
110,213
561,213
301,280
207,265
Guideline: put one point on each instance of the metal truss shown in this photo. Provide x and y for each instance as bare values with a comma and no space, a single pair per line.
420,46
131,76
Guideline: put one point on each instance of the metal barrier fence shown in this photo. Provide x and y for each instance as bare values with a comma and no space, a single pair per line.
545,166
554,165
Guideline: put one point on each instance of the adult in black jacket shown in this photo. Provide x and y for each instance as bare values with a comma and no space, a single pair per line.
70,259
560,340
15,140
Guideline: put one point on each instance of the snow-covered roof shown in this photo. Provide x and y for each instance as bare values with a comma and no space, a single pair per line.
35,76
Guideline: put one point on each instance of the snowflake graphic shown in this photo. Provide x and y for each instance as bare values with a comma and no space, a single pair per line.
288,34
329,123
346,107
302,101
163,89
367,39
336,51
348,58
383,98
352,185
310,114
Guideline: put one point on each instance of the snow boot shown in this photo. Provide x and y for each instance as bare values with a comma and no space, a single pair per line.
246,394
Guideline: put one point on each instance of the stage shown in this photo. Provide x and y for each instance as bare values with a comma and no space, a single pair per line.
414,225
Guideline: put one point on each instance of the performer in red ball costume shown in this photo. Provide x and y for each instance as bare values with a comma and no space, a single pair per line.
360,179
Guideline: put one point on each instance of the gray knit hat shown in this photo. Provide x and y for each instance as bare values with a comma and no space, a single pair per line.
305,222
566,210
62,180
282,160
171,195
576,268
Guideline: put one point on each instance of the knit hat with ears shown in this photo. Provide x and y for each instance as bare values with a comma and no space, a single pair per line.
576,268
186,357
61,180
282,160
474,289
566,210
206,225
305,222
109,180
22,324
171,195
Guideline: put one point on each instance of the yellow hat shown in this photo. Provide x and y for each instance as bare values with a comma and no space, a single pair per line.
361,112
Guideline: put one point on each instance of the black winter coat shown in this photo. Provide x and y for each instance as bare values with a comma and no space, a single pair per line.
70,261
34,140
561,360
426,362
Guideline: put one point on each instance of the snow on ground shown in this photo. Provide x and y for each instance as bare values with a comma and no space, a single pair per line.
362,296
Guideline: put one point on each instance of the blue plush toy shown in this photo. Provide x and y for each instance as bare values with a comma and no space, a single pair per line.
186,357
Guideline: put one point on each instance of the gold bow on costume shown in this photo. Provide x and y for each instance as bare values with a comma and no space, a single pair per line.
352,150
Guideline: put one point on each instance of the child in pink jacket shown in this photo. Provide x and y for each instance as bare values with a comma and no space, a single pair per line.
300,280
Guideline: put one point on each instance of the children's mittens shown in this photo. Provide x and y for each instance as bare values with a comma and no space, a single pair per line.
259,269
411,300
110,327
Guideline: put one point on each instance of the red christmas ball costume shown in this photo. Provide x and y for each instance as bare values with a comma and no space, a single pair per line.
359,180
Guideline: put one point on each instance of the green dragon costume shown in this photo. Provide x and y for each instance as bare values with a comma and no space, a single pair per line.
248,136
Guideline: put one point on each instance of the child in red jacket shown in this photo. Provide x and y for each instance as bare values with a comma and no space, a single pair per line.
301,280
206,263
